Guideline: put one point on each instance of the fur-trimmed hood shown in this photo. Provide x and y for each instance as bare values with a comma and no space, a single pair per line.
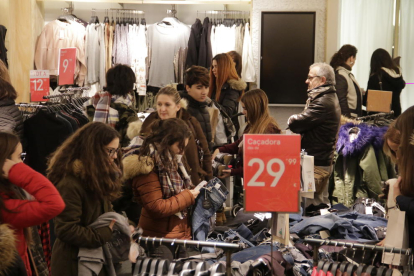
7,249
237,84
367,135
135,165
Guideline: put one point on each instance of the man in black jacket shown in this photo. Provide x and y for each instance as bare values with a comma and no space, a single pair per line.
319,122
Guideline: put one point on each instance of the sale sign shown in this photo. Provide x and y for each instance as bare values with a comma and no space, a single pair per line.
67,65
39,85
271,172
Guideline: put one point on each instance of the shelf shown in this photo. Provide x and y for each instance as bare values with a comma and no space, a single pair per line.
186,2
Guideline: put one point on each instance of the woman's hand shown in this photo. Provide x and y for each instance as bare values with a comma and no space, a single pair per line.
225,174
215,154
397,191
195,193
8,164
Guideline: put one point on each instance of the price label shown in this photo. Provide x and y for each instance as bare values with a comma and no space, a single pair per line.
272,172
39,85
67,65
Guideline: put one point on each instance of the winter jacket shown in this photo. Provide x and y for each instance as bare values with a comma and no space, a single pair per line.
348,91
361,164
235,148
230,94
318,124
11,119
199,110
406,204
194,44
11,263
197,169
72,225
158,217
205,54
391,81
47,204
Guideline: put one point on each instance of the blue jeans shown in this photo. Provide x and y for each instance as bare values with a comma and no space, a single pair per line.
216,193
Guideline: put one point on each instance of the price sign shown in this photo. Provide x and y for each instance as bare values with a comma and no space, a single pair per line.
271,172
67,65
39,85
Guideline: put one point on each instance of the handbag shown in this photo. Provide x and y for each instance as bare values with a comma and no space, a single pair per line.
321,179
397,230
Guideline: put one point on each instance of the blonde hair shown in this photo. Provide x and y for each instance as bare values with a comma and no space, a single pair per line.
4,72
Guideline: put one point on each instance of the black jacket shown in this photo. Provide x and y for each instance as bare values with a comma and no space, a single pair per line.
390,82
319,124
3,50
194,44
199,111
205,54
10,117
406,204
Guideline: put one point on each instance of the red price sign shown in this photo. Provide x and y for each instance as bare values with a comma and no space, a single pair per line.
39,85
271,172
67,65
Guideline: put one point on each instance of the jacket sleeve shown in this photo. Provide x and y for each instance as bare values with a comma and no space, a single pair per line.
207,162
406,204
24,213
68,224
342,92
371,176
231,102
237,171
232,148
149,189
311,117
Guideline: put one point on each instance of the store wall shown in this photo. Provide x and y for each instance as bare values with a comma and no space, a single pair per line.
282,113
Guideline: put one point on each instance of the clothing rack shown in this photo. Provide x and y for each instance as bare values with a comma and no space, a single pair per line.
59,95
76,89
376,116
319,242
228,247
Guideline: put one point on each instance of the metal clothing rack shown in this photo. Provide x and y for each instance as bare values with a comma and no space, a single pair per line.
228,247
75,89
59,95
318,242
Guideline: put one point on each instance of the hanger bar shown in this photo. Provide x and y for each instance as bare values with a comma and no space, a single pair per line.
378,115
58,95
319,242
135,10
225,12
77,88
29,105
190,242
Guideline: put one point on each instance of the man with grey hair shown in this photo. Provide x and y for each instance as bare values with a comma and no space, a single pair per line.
319,122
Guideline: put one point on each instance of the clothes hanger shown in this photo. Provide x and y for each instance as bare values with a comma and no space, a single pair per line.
154,266
362,267
351,268
202,269
218,269
106,19
145,267
188,268
163,266
138,266
171,269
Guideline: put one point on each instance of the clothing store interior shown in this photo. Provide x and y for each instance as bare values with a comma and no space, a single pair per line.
207,137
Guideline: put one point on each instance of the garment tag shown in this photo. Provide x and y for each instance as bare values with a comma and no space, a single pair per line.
368,210
324,234
206,204
61,34
324,211
217,186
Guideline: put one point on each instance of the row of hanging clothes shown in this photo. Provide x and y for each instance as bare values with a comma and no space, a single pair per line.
221,35
360,164
47,125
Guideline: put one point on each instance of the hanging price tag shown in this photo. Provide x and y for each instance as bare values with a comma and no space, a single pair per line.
272,172
67,65
39,85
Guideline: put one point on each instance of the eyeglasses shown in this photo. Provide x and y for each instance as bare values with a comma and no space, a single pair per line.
311,78
112,151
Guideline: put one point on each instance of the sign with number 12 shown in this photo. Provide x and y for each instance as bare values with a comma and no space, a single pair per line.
39,85
271,172
67,65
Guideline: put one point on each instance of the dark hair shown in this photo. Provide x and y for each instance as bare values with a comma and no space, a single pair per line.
237,59
197,75
120,80
381,58
405,152
340,57
7,90
87,148
163,134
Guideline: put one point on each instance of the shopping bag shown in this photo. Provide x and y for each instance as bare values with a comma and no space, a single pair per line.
397,230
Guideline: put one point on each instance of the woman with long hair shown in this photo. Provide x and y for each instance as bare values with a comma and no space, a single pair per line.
347,88
226,87
386,75
16,208
11,119
86,170
197,154
160,182
255,108
237,59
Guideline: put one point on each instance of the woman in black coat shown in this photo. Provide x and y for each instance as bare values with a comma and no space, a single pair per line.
386,75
